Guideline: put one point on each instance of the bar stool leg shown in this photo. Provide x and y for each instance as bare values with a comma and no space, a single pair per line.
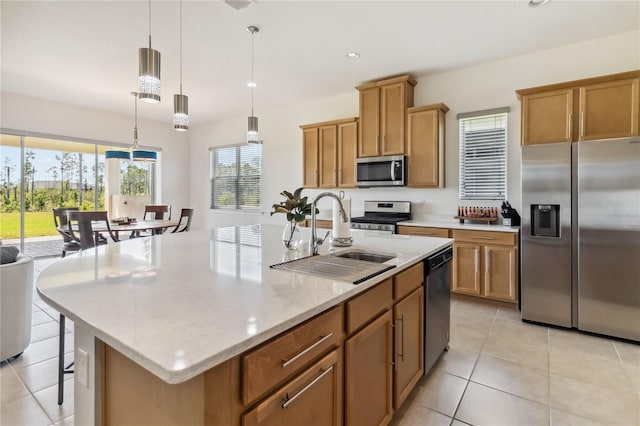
61,362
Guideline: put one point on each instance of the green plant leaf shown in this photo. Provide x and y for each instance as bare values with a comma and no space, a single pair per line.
297,193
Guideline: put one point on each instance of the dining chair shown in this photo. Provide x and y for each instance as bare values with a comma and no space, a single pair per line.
84,222
61,220
154,212
186,214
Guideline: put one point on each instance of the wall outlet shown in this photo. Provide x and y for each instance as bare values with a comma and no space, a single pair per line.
81,368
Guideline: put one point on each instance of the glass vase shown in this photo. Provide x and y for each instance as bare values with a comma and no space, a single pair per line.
291,236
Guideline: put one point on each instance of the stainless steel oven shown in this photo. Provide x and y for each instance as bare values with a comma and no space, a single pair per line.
382,216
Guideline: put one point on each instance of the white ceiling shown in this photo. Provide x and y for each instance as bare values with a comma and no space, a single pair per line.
85,52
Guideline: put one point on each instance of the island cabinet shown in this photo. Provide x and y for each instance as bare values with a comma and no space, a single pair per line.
485,264
383,112
425,146
384,355
329,153
595,108
353,364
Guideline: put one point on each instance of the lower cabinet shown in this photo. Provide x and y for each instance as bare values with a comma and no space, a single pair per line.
408,319
313,398
368,374
485,264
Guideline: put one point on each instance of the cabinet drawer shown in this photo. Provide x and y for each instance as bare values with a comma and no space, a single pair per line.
314,397
485,237
423,231
407,281
281,358
366,306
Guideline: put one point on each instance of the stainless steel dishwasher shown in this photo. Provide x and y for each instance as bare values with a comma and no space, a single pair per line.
437,305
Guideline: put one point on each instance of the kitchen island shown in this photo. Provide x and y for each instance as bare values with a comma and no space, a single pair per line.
178,307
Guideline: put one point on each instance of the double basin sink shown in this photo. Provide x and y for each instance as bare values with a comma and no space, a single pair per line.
353,266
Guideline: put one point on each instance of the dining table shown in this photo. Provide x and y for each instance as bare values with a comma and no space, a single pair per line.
154,225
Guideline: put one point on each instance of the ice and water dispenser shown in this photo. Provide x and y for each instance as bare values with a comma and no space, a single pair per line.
545,220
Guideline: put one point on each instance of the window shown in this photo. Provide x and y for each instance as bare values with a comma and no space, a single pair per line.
235,177
483,155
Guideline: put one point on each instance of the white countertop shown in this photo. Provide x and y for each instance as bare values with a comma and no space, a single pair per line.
179,304
455,224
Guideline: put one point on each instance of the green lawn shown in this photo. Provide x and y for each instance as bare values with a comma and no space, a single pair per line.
36,224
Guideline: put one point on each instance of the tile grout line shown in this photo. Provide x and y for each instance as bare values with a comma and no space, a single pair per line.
31,394
475,364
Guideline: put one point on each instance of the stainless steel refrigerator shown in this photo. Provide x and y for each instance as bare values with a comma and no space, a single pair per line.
580,253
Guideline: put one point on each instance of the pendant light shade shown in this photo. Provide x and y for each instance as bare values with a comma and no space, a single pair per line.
253,136
117,155
149,75
252,131
144,156
149,71
180,112
181,102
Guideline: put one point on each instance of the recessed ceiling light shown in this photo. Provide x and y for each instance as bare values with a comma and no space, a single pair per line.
353,55
252,84
537,3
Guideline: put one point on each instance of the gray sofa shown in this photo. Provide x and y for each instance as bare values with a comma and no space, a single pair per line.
16,298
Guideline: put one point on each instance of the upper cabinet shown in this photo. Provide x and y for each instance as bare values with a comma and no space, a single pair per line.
383,106
596,108
329,153
425,146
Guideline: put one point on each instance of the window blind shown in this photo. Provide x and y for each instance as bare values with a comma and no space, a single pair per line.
236,173
483,157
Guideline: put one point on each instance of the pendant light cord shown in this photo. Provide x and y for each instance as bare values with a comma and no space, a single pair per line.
149,25
180,46
253,83
135,120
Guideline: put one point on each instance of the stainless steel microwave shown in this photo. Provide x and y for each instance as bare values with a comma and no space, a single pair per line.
381,171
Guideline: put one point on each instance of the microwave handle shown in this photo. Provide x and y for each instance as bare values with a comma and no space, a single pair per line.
395,167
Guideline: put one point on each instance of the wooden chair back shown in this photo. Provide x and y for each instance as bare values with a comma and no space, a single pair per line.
157,212
83,220
186,214
61,219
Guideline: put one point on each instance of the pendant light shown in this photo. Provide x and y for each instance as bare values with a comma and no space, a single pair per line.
181,102
253,136
138,154
149,71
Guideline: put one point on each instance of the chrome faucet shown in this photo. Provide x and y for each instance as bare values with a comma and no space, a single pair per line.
314,241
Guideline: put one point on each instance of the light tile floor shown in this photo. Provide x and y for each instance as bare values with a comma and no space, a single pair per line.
498,371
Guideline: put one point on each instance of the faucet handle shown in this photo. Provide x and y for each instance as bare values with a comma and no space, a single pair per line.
321,240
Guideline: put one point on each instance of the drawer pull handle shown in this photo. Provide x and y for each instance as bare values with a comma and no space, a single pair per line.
482,238
286,362
288,400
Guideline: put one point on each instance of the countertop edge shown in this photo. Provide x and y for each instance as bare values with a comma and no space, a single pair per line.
201,366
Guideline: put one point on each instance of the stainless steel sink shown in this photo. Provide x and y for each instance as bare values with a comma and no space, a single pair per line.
366,256
337,267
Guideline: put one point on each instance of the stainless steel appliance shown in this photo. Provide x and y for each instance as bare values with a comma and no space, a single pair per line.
580,257
437,306
381,171
382,215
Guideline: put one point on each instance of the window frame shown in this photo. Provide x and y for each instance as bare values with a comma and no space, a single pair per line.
466,189
237,177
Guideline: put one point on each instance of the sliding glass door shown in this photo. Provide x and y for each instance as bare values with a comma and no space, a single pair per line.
40,174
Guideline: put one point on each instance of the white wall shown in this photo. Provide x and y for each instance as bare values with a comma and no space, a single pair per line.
474,88
42,116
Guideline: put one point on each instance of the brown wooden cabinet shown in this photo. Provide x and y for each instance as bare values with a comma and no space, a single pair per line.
408,318
485,264
368,374
424,231
329,153
313,398
425,146
595,108
383,106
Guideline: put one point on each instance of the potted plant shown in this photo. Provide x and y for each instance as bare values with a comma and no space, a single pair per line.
296,209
